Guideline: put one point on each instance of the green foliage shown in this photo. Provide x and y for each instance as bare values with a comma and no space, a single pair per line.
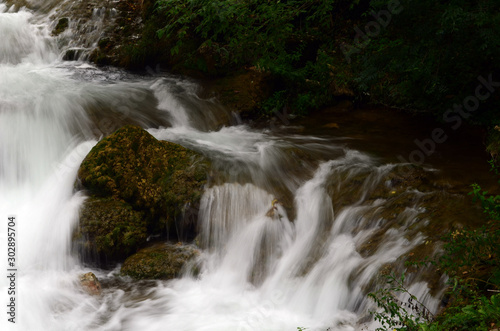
490,203
397,315
290,39
275,103
479,315
427,57
430,54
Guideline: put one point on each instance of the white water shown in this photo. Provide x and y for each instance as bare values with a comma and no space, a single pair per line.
257,272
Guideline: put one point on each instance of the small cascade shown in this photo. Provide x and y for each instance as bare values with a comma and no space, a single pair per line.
293,229
23,41
86,28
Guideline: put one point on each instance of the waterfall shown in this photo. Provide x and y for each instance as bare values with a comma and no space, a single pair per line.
308,263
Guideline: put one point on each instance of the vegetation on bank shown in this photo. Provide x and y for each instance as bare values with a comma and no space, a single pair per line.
292,41
471,262
415,55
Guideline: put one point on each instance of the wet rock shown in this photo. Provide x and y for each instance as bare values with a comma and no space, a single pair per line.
73,54
243,92
109,229
118,22
161,261
61,26
90,283
157,177
411,176
139,186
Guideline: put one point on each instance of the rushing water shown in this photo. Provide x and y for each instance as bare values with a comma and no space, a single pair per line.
306,266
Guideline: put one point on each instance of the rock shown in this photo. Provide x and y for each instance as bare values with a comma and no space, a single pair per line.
73,54
243,92
273,213
119,22
411,176
90,283
157,177
110,229
161,261
61,26
139,186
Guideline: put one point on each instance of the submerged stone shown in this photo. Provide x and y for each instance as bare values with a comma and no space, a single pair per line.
90,283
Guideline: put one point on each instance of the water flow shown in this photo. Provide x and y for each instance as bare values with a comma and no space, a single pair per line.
281,247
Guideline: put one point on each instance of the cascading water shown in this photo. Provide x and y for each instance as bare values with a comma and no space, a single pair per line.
305,264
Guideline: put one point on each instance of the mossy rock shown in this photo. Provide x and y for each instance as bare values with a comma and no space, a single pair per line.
243,91
110,229
61,26
138,186
155,177
160,261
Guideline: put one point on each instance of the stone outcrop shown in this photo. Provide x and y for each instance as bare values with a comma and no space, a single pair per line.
138,187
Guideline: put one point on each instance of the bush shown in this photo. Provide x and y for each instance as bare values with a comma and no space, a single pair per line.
291,39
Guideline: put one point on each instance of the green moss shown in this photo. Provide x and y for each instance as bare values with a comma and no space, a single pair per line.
161,261
110,228
139,186
148,174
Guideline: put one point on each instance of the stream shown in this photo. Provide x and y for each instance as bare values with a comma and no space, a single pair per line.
345,211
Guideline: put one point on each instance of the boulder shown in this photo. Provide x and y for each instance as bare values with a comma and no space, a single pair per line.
90,283
153,176
160,261
109,228
138,186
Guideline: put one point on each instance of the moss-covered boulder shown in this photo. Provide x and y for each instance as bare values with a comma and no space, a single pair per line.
138,186
160,261
110,228
153,176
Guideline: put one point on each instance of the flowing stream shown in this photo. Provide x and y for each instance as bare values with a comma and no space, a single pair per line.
309,265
